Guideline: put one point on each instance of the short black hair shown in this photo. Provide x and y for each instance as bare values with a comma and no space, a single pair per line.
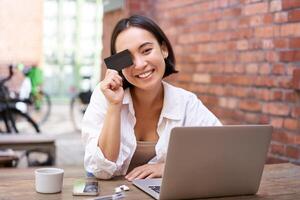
148,25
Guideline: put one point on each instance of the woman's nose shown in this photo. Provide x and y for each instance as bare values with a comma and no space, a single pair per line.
139,62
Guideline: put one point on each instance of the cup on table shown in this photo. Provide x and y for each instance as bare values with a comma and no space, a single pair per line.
49,180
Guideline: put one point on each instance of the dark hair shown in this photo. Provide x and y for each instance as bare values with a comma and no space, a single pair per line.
149,25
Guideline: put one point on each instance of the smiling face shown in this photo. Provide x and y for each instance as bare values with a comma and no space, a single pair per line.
148,56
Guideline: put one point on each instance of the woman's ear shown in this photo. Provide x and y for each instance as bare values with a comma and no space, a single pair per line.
164,50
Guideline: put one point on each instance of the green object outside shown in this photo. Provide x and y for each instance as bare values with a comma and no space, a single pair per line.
35,75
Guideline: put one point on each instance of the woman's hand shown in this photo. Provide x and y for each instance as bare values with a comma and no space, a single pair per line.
112,88
146,171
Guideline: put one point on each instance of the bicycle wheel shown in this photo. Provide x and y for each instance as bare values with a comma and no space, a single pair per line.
77,109
40,108
19,122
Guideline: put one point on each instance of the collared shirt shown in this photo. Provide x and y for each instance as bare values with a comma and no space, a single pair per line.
180,108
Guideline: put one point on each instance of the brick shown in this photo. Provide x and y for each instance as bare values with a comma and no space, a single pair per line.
241,80
275,5
276,95
272,56
292,29
228,102
281,17
296,111
252,68
264,119
199,27
287,4
242,45
278,109
239,69
278,69
251,1
232,12
219,79
255,8
267,31
252,118
294,43
268,19
284,137
209,100
283,82
264,81
277,122
184,77
264,69
291,124
293,152
267,44
290,56
250,105
256,20
291,96
229,68
294,16
245,57
281,43
237,92
201,78
262,94
296,79
277,148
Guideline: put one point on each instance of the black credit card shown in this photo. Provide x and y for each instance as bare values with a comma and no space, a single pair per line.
119,61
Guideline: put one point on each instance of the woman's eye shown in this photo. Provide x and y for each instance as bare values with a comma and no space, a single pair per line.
147,51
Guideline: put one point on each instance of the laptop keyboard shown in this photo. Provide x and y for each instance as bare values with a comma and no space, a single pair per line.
155,188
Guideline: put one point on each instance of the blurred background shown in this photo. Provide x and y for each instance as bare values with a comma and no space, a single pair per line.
241,57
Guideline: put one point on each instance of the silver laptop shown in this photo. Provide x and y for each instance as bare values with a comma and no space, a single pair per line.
206,162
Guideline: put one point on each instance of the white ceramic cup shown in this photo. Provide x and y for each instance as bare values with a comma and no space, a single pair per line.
49,180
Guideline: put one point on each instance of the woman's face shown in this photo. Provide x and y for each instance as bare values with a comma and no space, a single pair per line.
147,55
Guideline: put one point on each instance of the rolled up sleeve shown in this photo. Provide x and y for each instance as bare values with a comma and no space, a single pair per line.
92,123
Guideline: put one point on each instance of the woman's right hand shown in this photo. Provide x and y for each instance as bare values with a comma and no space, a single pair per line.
112,87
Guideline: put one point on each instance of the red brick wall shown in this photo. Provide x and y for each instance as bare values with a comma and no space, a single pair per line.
241,57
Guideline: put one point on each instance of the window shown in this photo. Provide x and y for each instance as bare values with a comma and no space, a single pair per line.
72,44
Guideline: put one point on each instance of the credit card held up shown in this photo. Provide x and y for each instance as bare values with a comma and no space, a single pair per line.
119,61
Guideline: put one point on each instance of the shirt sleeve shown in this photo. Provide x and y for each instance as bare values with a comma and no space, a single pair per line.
198,115
92,123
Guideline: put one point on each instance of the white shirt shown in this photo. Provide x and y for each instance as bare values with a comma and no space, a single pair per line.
180,108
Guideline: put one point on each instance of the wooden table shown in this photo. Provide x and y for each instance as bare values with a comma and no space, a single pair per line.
280,182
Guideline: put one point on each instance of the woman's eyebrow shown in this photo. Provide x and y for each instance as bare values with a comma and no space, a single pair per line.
144,44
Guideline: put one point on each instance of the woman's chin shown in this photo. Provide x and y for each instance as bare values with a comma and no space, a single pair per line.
148,85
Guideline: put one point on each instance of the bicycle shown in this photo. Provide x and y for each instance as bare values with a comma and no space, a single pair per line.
14,120
78,105
40,106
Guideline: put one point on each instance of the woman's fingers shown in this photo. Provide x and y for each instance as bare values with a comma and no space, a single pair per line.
112,80
140,172
144,174
134,174
146,171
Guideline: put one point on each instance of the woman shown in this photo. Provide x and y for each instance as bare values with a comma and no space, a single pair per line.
127,124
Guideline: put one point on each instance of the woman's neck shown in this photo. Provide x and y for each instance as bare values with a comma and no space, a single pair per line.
148,98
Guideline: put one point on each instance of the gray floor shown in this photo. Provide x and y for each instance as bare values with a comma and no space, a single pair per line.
69,148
